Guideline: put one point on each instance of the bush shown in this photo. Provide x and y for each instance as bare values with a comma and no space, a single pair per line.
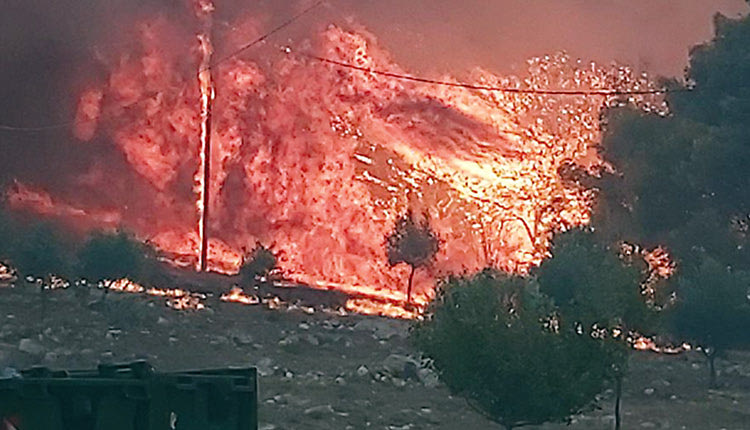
40,251
498,342
112,256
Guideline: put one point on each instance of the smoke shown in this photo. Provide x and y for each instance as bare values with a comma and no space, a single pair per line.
287,133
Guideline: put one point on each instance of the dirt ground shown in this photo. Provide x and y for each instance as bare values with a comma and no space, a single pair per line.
323,370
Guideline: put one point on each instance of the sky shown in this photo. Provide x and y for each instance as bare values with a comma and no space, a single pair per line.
446,35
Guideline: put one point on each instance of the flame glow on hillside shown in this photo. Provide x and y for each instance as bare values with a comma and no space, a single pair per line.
319,162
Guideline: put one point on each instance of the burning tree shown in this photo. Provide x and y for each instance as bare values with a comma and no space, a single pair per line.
412,242
498,342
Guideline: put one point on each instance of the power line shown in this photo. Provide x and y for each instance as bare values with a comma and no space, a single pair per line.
412,78
38,129
262,38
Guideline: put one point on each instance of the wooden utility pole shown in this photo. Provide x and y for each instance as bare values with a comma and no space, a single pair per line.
204,11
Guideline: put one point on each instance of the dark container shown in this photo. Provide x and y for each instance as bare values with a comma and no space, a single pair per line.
130,397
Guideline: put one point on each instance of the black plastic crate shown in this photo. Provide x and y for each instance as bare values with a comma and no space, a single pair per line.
130,397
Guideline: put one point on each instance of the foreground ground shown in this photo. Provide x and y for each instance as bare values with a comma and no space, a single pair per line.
323,370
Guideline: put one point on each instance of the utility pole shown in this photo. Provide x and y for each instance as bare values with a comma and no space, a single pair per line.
204,11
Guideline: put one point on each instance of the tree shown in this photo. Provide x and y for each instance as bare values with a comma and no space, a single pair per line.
7,238
712,310
600,294
41,252
257,264
682,182
113,256
496,341
412,242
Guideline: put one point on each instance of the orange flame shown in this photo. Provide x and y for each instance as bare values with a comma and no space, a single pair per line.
236,295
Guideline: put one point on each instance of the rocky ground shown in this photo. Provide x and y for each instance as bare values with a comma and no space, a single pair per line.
323,370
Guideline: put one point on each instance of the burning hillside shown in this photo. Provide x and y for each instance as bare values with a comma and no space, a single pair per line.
319,161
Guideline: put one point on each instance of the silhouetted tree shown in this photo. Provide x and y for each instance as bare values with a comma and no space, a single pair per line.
7,238
113,256
595,290
412,242
40,251
499,343
257,264
712,309
682,182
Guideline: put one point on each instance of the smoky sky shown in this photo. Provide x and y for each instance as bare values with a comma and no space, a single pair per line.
46,48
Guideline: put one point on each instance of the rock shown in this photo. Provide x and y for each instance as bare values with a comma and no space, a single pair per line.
401,366
289,340
648,425
648,391
312,340
399,382
664,382
382,329
265,367
428,378
340,380
107,357
304,326
363,370
242,339
162,321
50,357
30,346
319,412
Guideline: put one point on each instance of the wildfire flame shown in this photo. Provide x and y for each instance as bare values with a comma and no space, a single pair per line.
177,298
320,161
236,295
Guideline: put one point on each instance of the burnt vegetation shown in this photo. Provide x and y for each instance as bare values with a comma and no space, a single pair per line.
412,242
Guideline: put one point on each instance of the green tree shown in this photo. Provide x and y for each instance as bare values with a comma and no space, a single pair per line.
113,256
496,341
682,182
412,242
598,293
591,284
712,310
